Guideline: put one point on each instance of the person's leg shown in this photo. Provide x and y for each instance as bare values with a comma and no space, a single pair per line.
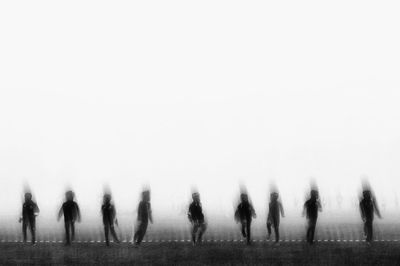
32,227
269,229
72,230
203,228
114,234
248,231
142,232
312,230
195,227
24,228
368,224
276,229
243,224
106,233
67,232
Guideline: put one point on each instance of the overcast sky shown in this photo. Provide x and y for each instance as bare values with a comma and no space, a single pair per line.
176,94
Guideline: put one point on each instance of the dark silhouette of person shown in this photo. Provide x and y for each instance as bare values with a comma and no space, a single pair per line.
368,207
109,218
196,218
244,214
29,212
143,217
71,212
311,208
274,213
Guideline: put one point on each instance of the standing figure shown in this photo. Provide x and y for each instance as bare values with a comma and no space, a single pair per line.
196,217
29,212
244,214
143,217
109,218
71,212
368,207
311,209
274,213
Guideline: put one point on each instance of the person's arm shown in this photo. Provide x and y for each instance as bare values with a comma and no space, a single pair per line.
22,214
253,212
36,209
362,212
60,213
150,214
78,213
190,214
114,214
319,205
139,212
237,215
303,213
376,209
281,209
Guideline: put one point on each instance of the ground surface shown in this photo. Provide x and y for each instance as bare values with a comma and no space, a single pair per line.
228,253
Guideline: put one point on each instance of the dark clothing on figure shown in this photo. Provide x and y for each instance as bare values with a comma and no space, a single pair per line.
368,208
144,211
196,217
70,210
140,231
29,209
244,213
246,229
144,215
196,212
69,231
312,223
312,207
109,213
274,214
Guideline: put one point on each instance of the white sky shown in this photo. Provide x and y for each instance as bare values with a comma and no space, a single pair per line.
177,94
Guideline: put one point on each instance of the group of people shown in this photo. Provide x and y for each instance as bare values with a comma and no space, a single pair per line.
244,214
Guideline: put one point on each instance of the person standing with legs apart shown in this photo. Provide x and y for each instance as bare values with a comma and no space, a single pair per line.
196,217
71,212
368,207
244,214
143,218
311,209
109,218
29,212
274,213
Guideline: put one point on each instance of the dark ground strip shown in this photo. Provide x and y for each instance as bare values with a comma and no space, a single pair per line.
287,253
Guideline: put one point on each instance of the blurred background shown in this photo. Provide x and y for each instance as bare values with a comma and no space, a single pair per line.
212,94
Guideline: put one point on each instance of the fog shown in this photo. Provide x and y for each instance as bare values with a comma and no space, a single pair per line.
211,94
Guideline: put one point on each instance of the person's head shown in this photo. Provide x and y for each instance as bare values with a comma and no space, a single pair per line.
107,198
146,195
28,196
244,197
314,194
367,194
69,195
274,196
196,197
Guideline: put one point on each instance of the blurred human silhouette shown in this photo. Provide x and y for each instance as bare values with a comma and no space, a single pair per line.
196,217
274,213
311,208
29,212
71,212
368,207
143,217
244,214
109,218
